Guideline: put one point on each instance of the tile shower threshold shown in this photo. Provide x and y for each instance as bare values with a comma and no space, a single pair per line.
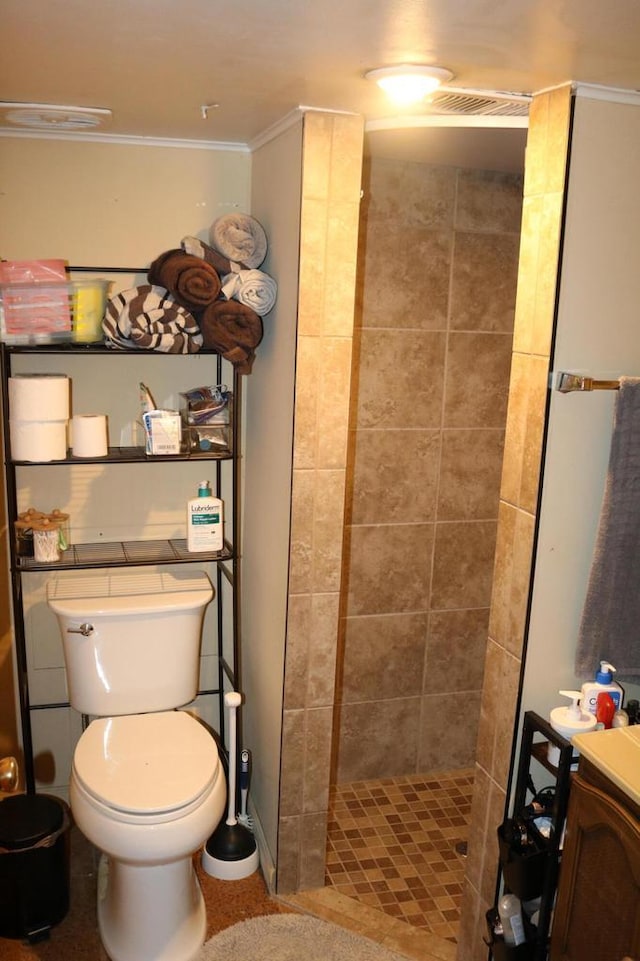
348,913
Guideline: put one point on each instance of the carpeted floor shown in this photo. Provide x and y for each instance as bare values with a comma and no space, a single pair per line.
76,937
292,937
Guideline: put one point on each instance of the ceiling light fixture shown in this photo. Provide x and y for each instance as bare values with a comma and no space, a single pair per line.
48,116
409,83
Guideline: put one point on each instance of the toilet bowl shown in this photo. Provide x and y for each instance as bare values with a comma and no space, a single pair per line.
147,787
146,790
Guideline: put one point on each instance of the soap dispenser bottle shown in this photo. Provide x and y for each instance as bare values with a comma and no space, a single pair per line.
204,521
567,721
603,684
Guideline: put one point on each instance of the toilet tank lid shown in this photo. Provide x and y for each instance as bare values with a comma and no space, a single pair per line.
127,593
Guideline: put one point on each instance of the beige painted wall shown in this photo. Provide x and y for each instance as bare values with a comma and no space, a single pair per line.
267,479
107,205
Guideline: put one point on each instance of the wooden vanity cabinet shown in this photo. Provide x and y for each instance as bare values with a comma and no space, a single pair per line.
597,916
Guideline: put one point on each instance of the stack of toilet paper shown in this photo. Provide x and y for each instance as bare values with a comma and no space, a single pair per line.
38,416
39,421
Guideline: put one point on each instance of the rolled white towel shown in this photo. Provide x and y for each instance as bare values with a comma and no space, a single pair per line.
253,288
240,238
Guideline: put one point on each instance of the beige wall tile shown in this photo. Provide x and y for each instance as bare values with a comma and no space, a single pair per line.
292,765
305,440
489,202
383,656
530,404
389,568
395,476
447,738
332,148
313,267
397,287
463,564
378,739
456,644
327,530
312,851
525,308
483,282
521,573
317,759
289,843
401,378
477,380
559,123
470,474
346,158
516,430
340,267
301,554
476,849
411,194
332,412
320,688
297,651
547,273
499,620
316,161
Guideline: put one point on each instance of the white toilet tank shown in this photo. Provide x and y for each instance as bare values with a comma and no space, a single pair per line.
131,640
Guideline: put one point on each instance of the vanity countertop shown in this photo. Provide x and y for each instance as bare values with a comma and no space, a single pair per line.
617,754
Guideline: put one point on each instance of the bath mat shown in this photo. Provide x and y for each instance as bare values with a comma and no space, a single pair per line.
292,937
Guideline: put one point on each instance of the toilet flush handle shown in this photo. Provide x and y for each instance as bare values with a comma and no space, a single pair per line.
85,629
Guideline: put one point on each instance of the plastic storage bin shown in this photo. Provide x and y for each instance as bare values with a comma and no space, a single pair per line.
34,865
52,313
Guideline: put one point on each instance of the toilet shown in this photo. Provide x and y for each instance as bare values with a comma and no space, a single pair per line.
147,787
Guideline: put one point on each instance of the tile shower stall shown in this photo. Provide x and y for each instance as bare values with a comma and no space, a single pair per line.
438,266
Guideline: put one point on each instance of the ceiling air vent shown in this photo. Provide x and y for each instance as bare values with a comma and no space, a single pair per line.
48,116
478,103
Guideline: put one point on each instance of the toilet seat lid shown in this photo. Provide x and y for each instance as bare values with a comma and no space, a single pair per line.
146,763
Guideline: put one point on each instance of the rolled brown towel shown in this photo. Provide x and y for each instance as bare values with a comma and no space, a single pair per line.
190,280
233,330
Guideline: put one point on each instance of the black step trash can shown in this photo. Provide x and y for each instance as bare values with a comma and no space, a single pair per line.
34,865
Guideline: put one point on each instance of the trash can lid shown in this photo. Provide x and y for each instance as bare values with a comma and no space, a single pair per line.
26,819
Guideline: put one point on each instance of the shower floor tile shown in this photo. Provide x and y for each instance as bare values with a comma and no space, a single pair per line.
392,845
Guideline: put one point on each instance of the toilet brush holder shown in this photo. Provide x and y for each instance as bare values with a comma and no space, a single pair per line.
231,853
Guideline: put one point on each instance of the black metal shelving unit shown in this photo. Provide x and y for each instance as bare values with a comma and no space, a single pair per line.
124,553
543,865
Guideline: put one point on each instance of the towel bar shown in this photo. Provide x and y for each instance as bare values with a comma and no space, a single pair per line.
566,383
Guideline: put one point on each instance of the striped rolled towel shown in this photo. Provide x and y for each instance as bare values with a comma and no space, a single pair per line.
234,331
191,281
253,288
240,238
148,318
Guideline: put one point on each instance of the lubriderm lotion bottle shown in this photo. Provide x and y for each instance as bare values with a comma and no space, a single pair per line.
204,521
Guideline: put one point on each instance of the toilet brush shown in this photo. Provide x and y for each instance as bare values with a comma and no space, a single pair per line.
231,852
244,817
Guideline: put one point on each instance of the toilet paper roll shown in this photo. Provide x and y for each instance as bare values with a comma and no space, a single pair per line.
38,441
39,397
89,435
